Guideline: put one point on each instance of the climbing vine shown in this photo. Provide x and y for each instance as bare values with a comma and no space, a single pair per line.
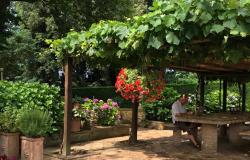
185,28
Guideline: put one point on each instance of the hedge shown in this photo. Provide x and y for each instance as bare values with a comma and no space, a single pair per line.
33,95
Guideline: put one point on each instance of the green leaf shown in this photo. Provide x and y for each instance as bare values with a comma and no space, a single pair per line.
154,42
234,32
122,32
217,28
230,24
136,44
205,17
233,4
168,20
172,38
155,22
122,45
143,28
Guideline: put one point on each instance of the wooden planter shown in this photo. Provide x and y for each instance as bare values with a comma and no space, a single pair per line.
31,148
75,125
9,145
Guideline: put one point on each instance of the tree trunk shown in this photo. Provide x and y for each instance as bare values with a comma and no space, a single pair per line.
133,132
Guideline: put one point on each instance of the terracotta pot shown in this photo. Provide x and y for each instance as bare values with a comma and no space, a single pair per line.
9,145
31,148
75,125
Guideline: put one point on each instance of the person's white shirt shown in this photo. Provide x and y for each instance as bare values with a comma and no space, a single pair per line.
177,108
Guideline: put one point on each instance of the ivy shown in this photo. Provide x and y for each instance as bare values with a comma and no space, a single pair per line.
170,28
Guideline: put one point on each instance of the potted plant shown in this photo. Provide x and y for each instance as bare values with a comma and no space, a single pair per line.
9,137
33,124
76,119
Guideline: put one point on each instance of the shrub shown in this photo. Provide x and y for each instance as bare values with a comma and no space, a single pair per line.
212,101
107,113
8,120
45,97
161,109
33,122
95,110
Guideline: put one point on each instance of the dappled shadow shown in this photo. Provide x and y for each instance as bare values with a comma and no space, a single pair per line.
155,144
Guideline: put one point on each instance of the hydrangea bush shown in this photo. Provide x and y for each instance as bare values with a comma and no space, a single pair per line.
97,111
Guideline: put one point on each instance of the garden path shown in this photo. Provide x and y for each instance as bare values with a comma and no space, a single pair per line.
155,145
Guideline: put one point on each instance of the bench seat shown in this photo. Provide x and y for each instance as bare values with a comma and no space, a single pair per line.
245,134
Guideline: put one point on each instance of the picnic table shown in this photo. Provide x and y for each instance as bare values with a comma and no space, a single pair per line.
209,124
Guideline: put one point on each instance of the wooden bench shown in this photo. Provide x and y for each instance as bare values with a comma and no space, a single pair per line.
245,134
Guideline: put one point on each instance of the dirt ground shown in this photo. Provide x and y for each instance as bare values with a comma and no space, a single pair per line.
154,145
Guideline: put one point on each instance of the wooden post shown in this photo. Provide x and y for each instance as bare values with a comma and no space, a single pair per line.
1,72
244,97
133,132
201,92
224,107
67,106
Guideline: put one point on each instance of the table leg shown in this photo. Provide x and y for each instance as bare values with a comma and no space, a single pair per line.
233,133
209,137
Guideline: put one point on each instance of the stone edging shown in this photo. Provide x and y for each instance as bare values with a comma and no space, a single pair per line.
95,133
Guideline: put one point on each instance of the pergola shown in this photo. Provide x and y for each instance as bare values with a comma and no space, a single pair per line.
239,72
217,32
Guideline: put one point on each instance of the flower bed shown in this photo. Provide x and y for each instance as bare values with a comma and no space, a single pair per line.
95,111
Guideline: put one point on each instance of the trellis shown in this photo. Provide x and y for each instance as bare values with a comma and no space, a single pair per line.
209,37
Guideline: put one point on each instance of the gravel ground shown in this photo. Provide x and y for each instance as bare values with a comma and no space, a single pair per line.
153,145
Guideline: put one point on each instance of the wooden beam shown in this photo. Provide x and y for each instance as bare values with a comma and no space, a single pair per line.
244,97
224,107
189,69
67,106
133,132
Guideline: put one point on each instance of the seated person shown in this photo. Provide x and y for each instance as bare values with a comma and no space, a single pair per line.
177,110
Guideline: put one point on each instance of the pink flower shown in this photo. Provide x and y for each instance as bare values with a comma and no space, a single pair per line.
115,104
105,106
95,100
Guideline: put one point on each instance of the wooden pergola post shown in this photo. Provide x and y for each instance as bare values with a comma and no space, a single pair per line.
201,93
224,106
244,97
133,132
67,105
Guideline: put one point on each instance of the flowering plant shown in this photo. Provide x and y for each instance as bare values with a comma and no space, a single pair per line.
108,113
95,110
134,86
156,84
131,84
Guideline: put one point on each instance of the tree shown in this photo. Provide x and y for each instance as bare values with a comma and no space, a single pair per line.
52,19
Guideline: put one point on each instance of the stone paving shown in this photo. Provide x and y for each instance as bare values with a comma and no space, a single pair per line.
154,145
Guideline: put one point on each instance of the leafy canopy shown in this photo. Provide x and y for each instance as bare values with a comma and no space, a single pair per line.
192,28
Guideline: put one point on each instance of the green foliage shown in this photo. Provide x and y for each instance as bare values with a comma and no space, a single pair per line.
8,120
95,92
34,122
29,23
181,77
35,95
212,101
170,28
161,109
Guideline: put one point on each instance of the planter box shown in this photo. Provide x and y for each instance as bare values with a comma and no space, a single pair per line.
9,145
31,148
96,132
